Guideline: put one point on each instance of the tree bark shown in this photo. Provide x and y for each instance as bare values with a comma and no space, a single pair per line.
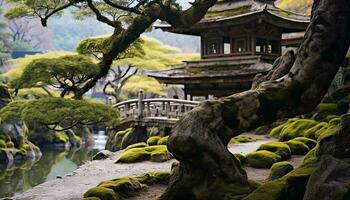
199,140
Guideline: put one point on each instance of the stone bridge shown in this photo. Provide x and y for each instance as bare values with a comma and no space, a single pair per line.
158,112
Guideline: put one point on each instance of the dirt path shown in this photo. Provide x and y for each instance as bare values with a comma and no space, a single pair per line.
73,186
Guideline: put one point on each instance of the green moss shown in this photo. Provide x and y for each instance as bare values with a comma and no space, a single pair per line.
262,159
317,130
278,148
309,142
91,198
123,133
137,145
174,165
296,129
275,132
141,154
163,140
310,157
125,187
331,117
153,140
242,139
326,107
10,144
152,178
290,186
280,169
230,12
298,148
2,144
334,121
102,193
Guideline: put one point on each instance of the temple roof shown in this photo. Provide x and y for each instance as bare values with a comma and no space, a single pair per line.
235,12
211,72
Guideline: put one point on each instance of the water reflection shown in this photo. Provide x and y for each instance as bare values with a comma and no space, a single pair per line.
53,163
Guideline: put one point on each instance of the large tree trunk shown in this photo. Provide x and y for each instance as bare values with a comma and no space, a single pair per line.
199,140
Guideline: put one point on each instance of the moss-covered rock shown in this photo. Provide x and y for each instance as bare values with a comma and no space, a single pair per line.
311,156
10,144
163,140
114,141
298,148
309,142
124,187
293,128
141,154
153,140
280,169
2,144
278,148
137,145
242,139
290,187
102,193
262,159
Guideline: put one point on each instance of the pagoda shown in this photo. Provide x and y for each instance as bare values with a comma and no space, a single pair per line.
239,39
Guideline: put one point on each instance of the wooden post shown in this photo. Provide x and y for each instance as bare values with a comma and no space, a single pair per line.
140,104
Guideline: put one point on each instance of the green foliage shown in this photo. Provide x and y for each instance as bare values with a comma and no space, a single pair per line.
157,56
278,148
59,112
262,159
141,154
97,46
20,64
69,73
242,139
298,148
4,43
153,140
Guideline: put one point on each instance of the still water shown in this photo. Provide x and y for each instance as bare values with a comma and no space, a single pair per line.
53,163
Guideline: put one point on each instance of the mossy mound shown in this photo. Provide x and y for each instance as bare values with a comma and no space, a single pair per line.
163,140
309,142
296,128
10,144
291,186
137,145
280,169
101,193
123,188
278,148
2,144
262,159
298,148
142,153
153,140
242,139
326,107
114,141
317,130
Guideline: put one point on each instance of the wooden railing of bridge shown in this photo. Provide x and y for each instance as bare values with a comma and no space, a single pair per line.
155,111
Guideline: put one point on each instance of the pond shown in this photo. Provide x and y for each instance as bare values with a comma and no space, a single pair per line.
52,164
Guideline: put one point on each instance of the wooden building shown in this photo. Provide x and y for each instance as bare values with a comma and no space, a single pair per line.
239,39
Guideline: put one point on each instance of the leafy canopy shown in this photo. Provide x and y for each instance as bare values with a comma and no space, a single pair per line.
68,73
60,113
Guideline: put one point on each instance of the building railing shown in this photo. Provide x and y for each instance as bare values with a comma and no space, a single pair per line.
156,107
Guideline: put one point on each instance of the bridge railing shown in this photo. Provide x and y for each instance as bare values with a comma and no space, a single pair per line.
156,107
